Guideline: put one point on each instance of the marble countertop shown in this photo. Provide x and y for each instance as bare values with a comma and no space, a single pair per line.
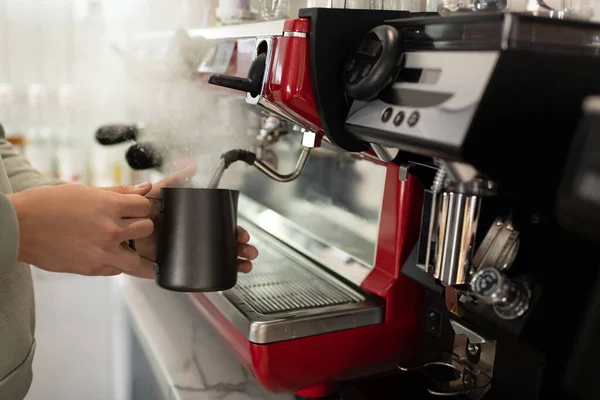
187,357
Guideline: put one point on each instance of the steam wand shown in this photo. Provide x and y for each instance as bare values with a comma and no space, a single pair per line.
250,158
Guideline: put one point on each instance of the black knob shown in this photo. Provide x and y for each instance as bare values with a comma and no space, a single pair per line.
510,298
108,135
374,64
252,84
143,156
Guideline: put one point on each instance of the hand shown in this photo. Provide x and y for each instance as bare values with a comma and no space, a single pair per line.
147,246
82,230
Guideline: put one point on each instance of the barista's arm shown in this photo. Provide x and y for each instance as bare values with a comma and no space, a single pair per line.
20,172
9,233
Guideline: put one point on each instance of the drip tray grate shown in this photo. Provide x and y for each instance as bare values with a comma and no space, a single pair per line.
281,283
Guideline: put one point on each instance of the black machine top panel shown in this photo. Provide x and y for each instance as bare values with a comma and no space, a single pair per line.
498,31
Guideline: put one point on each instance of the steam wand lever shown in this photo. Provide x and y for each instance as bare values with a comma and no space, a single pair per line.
252,84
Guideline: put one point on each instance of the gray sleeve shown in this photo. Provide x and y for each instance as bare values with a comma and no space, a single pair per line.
9,232
20,172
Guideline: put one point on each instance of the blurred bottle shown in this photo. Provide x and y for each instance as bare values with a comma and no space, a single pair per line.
273,9
70,149
234,11
39,148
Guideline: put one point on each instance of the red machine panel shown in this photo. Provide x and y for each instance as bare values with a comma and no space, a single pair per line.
288,85
309,365
302,363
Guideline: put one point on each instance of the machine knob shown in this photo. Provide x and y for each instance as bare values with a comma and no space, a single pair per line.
374,64
108,135
143,156
510,298
252,84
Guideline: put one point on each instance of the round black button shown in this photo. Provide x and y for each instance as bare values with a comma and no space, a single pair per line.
413,119
399,118
387,114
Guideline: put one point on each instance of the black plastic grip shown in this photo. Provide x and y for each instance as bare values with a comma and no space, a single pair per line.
108,135
238,155
143,156
252,84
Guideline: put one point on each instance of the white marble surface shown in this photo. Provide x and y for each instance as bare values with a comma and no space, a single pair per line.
185,353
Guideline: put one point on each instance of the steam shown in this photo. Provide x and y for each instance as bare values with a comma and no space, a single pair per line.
120,79
184,118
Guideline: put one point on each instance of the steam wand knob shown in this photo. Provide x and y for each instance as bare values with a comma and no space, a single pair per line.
108,135
509,297
252,84
143,156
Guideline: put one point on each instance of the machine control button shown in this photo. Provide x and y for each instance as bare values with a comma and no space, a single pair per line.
399,118
387,114
433,322
413,119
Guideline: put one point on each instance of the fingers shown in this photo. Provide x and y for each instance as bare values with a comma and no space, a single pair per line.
244,266
155,207
243,236
134,206
247,251
135,228
131,263
142,189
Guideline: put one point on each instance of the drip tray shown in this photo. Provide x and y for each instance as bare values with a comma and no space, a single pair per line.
287,296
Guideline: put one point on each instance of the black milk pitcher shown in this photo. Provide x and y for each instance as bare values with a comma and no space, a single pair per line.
197,243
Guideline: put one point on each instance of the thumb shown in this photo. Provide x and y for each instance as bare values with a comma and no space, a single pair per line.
142,189
187,169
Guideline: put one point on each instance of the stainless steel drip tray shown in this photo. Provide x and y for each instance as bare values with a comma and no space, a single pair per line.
287,296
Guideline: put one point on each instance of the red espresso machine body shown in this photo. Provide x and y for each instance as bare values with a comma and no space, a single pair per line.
311,364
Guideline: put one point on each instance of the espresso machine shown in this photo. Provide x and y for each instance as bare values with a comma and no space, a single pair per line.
422,233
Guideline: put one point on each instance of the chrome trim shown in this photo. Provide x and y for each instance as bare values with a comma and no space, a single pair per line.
295,34
382,153
271,173
262,329
458,217
305,242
